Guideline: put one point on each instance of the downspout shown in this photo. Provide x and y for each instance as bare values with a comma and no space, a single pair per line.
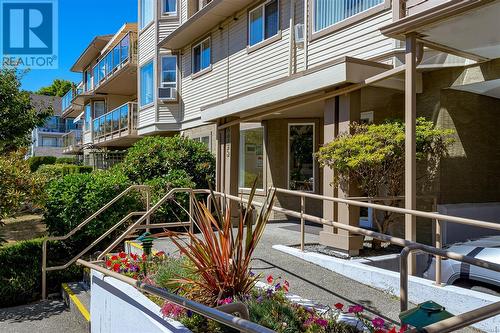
292,38
306,34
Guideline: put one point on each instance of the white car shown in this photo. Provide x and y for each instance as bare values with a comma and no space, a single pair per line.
462,274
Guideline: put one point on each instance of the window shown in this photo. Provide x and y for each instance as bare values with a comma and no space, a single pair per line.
88,116
169,71
95,77
251,155
88,80
201,56
99,109
329,12
170,7
50,142
125,44
146,84
263,22
146,15
300,157
205,140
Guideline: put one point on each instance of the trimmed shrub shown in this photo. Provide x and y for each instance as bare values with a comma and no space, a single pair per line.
36,161
170,212
66,160
74,197
21,271
53,171
154,157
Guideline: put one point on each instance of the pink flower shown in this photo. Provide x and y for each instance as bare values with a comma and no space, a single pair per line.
356,309
171,310
339,306
227,300
378,322
321,322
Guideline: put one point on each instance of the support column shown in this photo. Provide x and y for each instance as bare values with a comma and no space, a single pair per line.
338,114
410,143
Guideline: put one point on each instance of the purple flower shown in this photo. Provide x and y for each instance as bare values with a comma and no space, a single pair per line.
321,322
269,292
378,322
259,299
355,309
252,274
278,286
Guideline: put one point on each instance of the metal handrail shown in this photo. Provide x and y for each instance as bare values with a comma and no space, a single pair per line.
148,214
227,319
80,226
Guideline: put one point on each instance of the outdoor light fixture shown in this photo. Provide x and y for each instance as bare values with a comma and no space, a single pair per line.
147,242
424,314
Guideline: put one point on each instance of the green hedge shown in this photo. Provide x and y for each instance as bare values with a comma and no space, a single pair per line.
21,271
66,160
52,171
74,197
36,161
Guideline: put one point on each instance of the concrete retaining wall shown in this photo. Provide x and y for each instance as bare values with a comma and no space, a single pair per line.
118,307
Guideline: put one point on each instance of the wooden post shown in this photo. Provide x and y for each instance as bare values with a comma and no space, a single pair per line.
410,143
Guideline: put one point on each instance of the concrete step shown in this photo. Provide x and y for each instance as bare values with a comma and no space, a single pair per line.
77,297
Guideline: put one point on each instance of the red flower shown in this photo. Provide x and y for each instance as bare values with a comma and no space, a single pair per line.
393,330
339,306
134,256
144,257
116,267
286,285
403,328
122,255
270,279
160,254
114,258
378,322
108,263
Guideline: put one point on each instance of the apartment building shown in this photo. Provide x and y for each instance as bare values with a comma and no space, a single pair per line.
48,140
106,99
266,83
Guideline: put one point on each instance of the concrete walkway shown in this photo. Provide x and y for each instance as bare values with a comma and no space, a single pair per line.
51,316
309,280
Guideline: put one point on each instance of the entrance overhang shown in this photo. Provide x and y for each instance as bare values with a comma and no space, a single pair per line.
467,28
313,84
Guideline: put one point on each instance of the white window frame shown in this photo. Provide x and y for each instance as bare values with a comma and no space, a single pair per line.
163,12
144,25
251,126
200,44
262,7
176,70
288,155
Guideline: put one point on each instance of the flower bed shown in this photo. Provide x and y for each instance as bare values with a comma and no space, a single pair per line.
267,302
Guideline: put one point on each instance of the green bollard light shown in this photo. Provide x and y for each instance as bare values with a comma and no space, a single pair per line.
424,314
147,246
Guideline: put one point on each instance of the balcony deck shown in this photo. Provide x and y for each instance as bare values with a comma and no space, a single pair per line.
117,128
72,142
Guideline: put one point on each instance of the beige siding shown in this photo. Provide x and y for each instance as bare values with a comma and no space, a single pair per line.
361,40
147,44
146,117
168,113
166,26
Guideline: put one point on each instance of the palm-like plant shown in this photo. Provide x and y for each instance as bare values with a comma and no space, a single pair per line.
221,257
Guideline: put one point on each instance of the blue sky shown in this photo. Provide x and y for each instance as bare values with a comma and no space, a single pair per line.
79,22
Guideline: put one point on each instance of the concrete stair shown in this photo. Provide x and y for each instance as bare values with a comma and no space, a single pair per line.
76,295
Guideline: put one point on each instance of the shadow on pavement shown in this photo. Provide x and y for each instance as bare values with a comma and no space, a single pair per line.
366,303
33,312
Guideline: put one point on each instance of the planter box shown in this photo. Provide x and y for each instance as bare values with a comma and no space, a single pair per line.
118,307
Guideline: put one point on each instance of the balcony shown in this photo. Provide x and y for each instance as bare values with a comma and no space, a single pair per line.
71,106
116,72
72,142
117,128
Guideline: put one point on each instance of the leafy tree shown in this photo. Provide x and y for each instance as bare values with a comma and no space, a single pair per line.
57,88
373,158
18,185
18,116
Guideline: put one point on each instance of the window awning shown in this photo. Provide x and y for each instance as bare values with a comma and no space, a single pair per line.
202,21
317,81
467,28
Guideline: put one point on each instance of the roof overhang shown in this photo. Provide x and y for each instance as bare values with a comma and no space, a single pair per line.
467,28
202,21
490,88
310,83
124,30
92,51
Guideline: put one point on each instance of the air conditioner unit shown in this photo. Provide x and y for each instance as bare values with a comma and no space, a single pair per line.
299,33
167,93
